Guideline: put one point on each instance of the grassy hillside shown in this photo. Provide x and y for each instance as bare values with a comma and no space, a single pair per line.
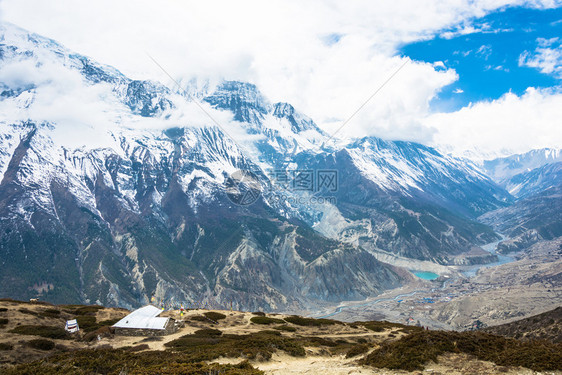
33,341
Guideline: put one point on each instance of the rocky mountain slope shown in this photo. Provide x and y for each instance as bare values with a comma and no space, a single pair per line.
535,181
114,190
526,174
528,221
535,178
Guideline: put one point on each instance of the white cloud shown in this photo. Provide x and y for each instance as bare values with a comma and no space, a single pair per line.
546,42
465,29
86,114
547,57
83,113
484,51
504,126
325,57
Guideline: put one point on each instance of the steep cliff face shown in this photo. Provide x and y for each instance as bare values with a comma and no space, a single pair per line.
406,198
119,194
535,181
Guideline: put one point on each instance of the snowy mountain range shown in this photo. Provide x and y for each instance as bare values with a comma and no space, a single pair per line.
523,175
114,190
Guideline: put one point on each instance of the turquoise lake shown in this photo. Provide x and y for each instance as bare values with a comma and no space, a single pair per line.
426,275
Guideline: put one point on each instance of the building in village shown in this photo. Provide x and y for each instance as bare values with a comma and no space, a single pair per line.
145,322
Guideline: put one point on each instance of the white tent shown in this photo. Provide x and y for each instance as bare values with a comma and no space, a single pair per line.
144,318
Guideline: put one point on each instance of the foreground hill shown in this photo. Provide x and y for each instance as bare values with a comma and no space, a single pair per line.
545,326
33,341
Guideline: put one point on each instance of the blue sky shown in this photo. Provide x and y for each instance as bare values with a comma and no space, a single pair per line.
488,60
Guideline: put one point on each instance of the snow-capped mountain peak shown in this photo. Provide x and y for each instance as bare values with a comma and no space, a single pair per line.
121,188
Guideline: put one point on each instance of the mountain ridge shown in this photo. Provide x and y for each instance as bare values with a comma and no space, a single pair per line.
138,204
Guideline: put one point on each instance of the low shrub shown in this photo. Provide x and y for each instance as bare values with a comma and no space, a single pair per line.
88,310
43,331
3,309
270,332
28,312
87,323
114,361
286,328
41,344
104,331
50,313
138,348
6,346
357,350
216,316
3,321
265,320
11,300
208,332
259,313
108,322
413,351
320,341
256,345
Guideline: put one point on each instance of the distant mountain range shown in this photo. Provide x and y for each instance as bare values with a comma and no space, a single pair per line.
254,206
529,220
525,174
535,180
